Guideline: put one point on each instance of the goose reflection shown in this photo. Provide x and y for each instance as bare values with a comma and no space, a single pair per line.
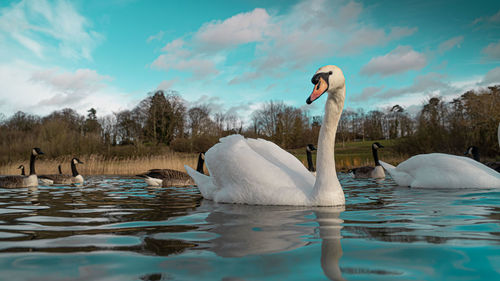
256,230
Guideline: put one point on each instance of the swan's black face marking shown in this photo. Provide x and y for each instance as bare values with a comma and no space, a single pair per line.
322,85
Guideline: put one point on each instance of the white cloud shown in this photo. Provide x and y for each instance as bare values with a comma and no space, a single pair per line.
30,88
367,94
429,85
492,77
31,23
166,84
492,50
423,84
450,44
239,29
158,36
488,19
309,32
198,65
368,37
399,60
174,46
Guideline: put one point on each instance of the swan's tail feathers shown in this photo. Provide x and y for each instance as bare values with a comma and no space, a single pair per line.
388,167
203,182
402,178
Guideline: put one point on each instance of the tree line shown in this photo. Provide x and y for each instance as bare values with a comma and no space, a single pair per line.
163,121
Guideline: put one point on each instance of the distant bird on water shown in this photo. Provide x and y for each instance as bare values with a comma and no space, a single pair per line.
23,180
367,172
22,169
169,177
60,178
474,152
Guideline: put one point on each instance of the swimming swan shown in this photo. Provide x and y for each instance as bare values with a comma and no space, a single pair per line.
258,172
438,170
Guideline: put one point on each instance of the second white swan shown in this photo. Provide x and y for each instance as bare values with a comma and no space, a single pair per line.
258,172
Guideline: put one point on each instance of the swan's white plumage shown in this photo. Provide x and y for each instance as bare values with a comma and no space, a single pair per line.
256,171
253,171
438,170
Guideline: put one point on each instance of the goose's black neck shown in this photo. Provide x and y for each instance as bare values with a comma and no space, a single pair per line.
199,167
32,165
310,164
73,168
22,171
375,156
476,156
59,168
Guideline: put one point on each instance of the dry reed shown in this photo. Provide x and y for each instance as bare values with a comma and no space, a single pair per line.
98,165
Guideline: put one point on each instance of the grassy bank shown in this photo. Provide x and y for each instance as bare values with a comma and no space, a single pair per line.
356,154
347,156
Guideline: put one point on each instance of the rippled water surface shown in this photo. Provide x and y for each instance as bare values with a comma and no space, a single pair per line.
117,228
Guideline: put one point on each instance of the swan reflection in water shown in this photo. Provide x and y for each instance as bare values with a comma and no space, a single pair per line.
244,230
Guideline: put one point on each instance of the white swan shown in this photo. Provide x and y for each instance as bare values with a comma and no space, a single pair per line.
256,171
438,170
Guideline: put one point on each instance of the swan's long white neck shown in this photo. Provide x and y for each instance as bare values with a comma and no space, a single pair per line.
327,189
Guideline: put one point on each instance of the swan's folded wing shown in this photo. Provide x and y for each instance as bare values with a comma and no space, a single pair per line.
281,158
240,174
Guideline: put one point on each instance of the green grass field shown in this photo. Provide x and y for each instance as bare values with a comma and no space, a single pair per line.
356,154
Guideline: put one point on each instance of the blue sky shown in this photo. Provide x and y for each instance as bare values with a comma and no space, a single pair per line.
235,55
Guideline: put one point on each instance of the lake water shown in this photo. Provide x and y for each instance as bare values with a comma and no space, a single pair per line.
117,228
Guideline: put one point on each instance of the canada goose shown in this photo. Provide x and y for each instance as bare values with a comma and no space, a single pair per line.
22,180
59,169
310,165
22,169
169,177
258,172
74,178
367,172
474,152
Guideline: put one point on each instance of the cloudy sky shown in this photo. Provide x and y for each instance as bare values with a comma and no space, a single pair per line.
237,54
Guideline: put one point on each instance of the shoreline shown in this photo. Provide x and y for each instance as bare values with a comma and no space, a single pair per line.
98,165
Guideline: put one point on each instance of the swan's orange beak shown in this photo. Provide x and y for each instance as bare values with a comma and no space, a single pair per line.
319,89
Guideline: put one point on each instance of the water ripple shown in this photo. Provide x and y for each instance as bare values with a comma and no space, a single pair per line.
117,228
